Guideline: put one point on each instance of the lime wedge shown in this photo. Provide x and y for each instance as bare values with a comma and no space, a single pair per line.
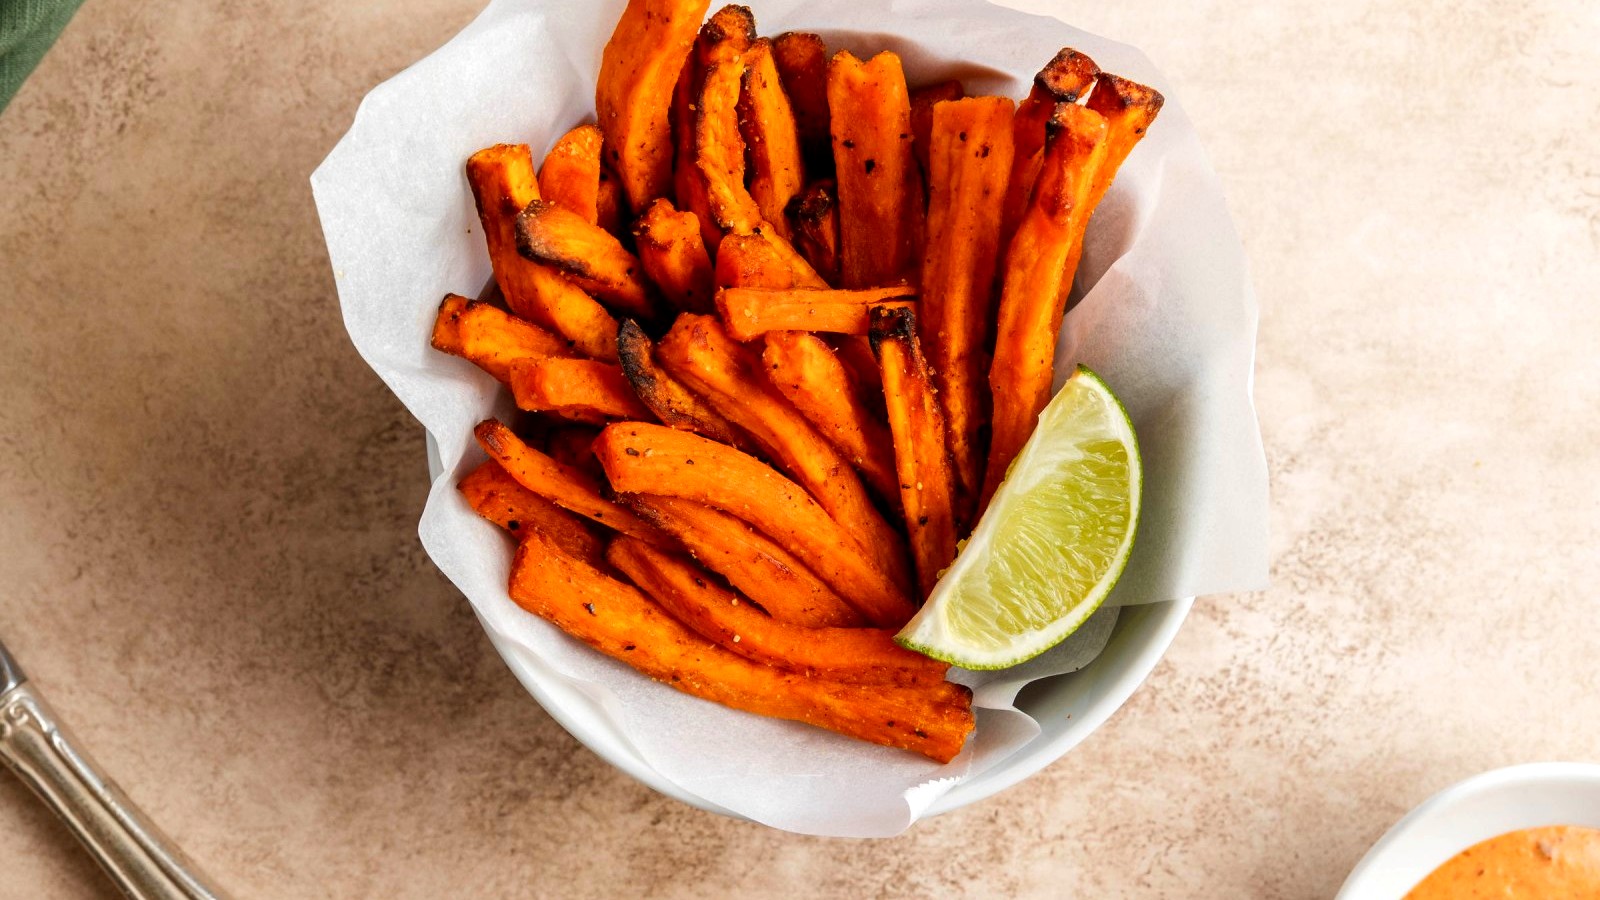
1051,544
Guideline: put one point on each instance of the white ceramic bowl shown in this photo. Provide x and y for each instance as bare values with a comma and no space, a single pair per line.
1068,707
1484,806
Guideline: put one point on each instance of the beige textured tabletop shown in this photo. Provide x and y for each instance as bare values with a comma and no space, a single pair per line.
209,502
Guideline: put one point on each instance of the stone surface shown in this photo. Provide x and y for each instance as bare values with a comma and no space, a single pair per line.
209,502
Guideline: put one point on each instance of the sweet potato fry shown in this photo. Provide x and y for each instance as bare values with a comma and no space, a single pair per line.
720,149
801,273
693,597
802,61
562,485
497,497
491,337
688,186
762,260
828,318
570,175
805,370
752,562
814,220
749,313
922,101
585,390
698,352
446,336
1128,108
1037,282
503,184
767,124
756,296
674,256
725,36
638,69
572,446
880,191
921,458
587,253
672,403
970,161
746,259
642,458
1068,76
621,622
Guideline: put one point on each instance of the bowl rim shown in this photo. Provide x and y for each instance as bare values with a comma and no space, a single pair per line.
1124,673
1531,795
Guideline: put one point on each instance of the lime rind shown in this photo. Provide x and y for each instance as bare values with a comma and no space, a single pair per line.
1035,624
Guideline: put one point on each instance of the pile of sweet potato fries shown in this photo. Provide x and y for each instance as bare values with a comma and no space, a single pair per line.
774,367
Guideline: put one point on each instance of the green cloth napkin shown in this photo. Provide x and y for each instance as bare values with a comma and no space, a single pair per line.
27,29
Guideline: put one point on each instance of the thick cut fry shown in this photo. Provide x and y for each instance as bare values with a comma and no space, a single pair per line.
1128,108
749,313
805,370
752,562
970,161
801,274
638,69
1068,76
611,208
572,446
768,127
702,355
587,253
922,101
674,256
491,337
927,491
746,259
692,596
880,192
503,184
570,176
446,336
725,36
756,296
828,318
497,497
644,458
688,186
585,390
723,39
719,149
1037,282
802,61
814,219
562,485
672,403
762,260
621,622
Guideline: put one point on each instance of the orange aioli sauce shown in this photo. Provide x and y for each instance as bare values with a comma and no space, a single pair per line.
1558,862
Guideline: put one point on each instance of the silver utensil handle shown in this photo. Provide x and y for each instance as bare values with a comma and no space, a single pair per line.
139,858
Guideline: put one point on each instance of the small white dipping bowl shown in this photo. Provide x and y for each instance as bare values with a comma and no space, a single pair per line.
1536,795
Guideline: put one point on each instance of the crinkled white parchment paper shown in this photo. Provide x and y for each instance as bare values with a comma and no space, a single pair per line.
1168,319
